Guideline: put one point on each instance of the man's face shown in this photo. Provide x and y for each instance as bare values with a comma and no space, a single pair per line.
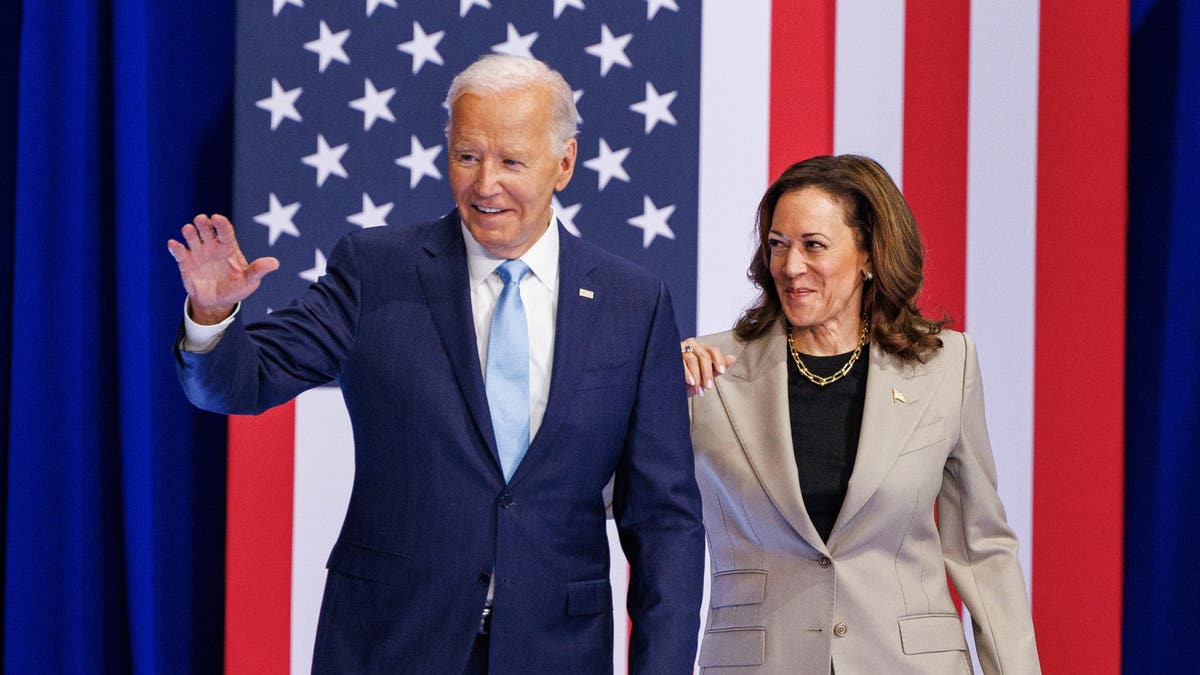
504,169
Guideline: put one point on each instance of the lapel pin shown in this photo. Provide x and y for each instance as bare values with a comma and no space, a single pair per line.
897,397
586,293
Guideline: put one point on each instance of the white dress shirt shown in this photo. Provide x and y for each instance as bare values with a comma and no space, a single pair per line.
539,294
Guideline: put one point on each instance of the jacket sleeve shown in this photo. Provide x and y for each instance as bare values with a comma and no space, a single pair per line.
303,345
979,547
656,504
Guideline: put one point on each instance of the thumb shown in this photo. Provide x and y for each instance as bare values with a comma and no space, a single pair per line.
262,267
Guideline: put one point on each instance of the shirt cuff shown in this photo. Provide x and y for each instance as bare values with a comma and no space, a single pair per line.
199,338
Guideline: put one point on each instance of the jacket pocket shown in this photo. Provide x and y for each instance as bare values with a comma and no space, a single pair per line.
589,597
738,587
734,647
923,437
932,633
369,563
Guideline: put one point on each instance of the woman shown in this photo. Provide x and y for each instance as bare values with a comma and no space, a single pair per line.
822,451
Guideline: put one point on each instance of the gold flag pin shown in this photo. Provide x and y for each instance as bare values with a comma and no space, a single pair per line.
897,396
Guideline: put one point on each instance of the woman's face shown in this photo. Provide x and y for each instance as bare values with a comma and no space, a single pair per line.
816,262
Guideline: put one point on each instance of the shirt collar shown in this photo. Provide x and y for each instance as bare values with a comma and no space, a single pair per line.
542,257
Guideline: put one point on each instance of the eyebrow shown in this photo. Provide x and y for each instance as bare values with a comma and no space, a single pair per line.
801,236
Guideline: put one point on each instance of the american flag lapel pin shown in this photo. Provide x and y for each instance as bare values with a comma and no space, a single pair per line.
586,293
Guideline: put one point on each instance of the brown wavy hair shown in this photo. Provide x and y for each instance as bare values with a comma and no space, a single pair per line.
883,226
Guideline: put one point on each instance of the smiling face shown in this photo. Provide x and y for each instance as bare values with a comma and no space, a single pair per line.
504,169
818,265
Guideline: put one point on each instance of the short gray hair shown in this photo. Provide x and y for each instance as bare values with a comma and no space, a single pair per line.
499,74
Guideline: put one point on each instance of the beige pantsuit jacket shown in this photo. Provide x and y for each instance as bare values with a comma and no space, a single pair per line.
874,598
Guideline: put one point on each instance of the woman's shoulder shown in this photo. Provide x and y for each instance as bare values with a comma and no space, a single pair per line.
726,341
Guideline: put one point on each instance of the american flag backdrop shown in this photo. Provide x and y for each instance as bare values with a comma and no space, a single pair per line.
1002,121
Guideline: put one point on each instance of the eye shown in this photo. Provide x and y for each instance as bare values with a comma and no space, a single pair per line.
777,246
467,158
813,244
513,163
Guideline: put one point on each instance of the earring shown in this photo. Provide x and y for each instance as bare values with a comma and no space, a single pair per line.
868,277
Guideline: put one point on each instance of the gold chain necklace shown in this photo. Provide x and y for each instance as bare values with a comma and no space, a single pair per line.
822,381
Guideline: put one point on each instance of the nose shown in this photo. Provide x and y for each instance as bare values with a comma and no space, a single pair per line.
487,183
793,263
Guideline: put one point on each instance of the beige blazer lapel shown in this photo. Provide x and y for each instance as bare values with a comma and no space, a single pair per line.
755,395
897,397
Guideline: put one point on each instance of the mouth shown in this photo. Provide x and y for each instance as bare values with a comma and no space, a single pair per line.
486,210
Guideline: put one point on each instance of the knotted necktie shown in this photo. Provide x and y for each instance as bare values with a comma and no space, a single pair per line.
508,370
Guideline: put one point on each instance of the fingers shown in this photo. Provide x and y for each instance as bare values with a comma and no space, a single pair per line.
177,250
702,363
222,229
191,236
262,267
204,227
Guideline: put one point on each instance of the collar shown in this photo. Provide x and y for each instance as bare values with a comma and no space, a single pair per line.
542,257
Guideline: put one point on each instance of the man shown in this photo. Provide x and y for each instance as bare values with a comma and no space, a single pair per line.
468,547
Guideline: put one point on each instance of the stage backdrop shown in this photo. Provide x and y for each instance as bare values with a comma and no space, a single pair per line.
1004,124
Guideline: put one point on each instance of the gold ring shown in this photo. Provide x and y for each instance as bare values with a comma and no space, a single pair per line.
687,349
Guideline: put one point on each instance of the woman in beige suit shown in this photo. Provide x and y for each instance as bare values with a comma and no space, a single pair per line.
823,450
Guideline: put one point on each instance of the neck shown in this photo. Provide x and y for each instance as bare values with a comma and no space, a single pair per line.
827,340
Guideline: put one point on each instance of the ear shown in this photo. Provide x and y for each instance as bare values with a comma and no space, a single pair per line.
566,165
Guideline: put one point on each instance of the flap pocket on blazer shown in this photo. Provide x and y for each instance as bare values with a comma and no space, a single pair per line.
932,633
589,597
369,563
923,437
734,647
738,587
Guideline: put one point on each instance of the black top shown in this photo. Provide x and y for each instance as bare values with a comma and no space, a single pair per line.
825,426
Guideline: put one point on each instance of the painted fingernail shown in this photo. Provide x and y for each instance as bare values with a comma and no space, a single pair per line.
690,381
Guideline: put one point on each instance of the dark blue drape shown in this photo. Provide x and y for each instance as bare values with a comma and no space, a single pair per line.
114,521
1162,439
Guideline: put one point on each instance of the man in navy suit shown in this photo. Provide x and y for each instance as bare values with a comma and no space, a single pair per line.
459,553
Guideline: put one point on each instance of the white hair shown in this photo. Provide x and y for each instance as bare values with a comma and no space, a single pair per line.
499,74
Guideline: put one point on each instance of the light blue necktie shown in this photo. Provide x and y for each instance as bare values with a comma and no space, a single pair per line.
508,370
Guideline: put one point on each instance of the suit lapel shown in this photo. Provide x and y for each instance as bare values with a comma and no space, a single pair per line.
444,279
897,397
575,323
755,395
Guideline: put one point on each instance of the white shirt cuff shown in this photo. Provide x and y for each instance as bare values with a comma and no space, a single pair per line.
199,338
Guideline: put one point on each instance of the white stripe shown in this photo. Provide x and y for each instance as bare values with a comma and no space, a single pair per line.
324,473
868,90
1002,244
1002,238
735,81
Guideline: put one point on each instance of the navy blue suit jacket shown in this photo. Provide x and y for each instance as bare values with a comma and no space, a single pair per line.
430,515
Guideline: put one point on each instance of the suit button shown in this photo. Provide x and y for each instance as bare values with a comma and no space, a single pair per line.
506,500
485,579
840,629
824,561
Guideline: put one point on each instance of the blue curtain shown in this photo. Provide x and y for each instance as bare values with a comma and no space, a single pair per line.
114,519
1162,440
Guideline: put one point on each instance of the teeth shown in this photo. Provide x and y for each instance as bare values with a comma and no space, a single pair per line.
487,210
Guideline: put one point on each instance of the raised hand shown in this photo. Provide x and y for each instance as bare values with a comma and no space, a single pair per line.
214,271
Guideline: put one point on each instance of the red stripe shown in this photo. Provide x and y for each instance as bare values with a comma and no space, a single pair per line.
1079,353
936,63
258,559
801,109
